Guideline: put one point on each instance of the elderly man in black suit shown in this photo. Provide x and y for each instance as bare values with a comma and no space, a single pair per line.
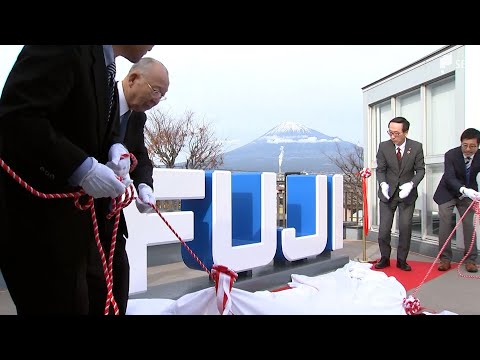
143,88
56,114
458,188
400,168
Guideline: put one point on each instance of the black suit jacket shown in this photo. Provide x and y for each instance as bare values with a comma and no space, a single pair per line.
412,168
454,176
53,115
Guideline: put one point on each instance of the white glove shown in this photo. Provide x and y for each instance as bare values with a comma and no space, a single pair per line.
144,199
472,194
405,190
100,181
385,187
120,166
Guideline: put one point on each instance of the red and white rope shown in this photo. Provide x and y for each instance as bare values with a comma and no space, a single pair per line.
222,276
411,303
117,205
475,206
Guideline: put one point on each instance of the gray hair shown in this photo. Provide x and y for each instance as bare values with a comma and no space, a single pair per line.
144,64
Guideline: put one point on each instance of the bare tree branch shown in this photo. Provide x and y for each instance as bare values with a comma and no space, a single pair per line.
350,164
204,150
166,137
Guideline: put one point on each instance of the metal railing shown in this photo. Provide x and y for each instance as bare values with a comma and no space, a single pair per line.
352,207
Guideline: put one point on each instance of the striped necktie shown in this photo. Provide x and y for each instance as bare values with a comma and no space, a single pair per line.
468,162
111,69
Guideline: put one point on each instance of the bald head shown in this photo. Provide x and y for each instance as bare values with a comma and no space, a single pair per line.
146,84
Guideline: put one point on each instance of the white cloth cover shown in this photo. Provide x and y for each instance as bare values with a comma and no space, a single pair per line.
354,289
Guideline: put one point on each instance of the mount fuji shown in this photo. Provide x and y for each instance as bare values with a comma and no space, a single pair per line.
289,147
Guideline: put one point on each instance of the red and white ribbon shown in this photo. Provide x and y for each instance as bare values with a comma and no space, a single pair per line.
365,173
224,279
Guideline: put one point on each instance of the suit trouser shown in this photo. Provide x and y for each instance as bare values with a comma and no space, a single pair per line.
446,228
387,211
43,261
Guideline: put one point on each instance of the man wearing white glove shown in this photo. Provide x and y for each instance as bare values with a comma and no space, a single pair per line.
144,86
119,162
55,114
470,193
458,187
145,199
385,189
400,168
101,182
405,190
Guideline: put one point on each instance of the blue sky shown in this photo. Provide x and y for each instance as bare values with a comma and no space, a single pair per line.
246,90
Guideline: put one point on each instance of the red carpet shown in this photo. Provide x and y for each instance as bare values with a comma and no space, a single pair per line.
412,279
409,279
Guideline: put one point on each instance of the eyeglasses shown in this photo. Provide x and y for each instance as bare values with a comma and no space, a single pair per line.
157,93
469,146
394,133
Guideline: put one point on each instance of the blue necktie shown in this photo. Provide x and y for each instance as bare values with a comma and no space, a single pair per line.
111,69
467,170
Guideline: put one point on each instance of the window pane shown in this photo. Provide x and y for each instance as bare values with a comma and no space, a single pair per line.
409,106
441,110
384,116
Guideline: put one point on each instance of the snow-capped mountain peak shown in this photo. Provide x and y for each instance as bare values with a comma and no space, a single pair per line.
288,147
288,127
292,132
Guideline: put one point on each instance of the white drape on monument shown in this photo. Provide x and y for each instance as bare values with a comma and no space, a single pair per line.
354,289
